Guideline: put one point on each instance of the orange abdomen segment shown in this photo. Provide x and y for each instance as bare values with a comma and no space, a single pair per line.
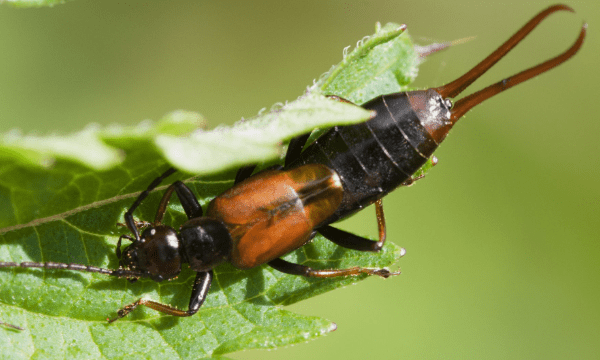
275,212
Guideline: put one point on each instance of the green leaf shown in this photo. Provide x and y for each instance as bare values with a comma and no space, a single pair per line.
61,196
381,64
32,3
254,141
430,163
238,314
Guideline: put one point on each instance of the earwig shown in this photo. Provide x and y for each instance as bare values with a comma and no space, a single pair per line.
260,219
266,215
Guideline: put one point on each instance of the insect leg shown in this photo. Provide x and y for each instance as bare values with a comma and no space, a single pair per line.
187,198
243,173
199,293
380,221
118,249
349,240
295,148
297,269
354,242
129,214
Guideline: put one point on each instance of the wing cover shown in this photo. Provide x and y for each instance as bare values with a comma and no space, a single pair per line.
275,212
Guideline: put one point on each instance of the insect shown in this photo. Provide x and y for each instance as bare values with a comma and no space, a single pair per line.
343,171
255,222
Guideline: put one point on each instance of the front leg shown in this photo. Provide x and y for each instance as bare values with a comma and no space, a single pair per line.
199,293
188,201
129,214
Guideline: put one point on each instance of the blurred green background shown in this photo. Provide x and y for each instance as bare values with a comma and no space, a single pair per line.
502,237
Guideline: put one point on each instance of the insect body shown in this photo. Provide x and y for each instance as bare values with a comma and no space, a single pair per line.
375,157
255,222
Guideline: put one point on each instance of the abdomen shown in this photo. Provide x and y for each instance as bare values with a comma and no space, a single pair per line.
375,157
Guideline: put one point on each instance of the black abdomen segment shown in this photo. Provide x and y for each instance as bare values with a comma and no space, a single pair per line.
375,157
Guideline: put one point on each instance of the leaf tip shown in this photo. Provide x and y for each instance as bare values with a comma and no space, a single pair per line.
401,28
332,327
180,122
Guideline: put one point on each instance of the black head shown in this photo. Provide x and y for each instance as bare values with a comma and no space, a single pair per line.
158,253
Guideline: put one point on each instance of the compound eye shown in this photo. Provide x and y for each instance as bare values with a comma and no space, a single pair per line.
148,234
